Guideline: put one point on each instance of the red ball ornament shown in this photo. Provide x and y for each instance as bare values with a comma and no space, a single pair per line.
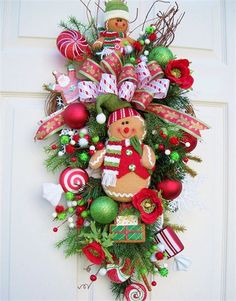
154,283
171,189
55,229
73,159
76,138
72,45
76,115
161,147
80,209
159,255
185,160
87,137
189,139
93,277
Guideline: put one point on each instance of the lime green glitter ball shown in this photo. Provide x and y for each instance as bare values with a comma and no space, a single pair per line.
64,139
71,210
95,139
104,210
84,157
62,216
174,156
69,196
162,55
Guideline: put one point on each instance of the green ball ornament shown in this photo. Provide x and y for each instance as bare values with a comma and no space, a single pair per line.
69,196
95,139
162,55
163,272
62,216
104,210
175,156
132,60
64,139
84,157
71,210
142,42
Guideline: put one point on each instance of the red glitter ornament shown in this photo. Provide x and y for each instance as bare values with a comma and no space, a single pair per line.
154,283
73,159
174,140
80,209
161,147
76,138
70,149
59,209
100,145
159,255
79,222
152,37
91,152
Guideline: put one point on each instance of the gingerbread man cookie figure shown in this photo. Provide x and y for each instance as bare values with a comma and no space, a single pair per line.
117,23
126,162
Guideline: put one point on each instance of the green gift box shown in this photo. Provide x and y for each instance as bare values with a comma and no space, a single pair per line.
128,234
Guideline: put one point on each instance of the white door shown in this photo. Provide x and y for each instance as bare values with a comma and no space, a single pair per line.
31,268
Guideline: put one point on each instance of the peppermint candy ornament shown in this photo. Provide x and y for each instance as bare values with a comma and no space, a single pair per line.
119,272
135,292
72,45
72,179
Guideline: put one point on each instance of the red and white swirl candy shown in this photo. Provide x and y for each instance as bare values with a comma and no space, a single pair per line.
72,45
72,179
120,272
135,292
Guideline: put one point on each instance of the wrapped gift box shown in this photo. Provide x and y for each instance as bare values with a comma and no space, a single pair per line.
170,240
126,220
128,234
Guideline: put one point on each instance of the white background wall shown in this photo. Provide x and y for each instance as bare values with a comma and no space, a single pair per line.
31,268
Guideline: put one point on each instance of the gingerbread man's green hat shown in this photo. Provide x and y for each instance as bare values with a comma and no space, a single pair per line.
116,9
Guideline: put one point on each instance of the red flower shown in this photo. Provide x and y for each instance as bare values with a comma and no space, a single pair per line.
178,72
152,37
137,46
94,252
149,205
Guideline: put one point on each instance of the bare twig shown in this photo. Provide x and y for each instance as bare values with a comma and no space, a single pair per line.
136,17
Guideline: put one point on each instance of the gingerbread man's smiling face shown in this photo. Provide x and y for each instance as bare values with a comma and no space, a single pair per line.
117,25
127,128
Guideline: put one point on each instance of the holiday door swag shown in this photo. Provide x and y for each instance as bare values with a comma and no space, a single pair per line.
122,130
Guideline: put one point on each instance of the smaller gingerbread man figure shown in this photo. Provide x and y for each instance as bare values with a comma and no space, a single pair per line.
117,23
126,162
67,85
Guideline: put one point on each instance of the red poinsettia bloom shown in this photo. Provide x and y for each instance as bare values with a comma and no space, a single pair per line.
137,46
94,252
149,205
178,71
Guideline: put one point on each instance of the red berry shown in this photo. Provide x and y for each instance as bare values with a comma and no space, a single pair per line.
174,140
161,147
185,159
138,61
55,229
100,145
152,37
59,209
80,209
87,137
91,152
159,255
70,149
89,201
54,146
154,283
78,197
79,222
164,136
76,138
93,277
73,159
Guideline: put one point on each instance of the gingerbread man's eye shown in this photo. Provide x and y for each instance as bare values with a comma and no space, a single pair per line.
123,123
127,122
